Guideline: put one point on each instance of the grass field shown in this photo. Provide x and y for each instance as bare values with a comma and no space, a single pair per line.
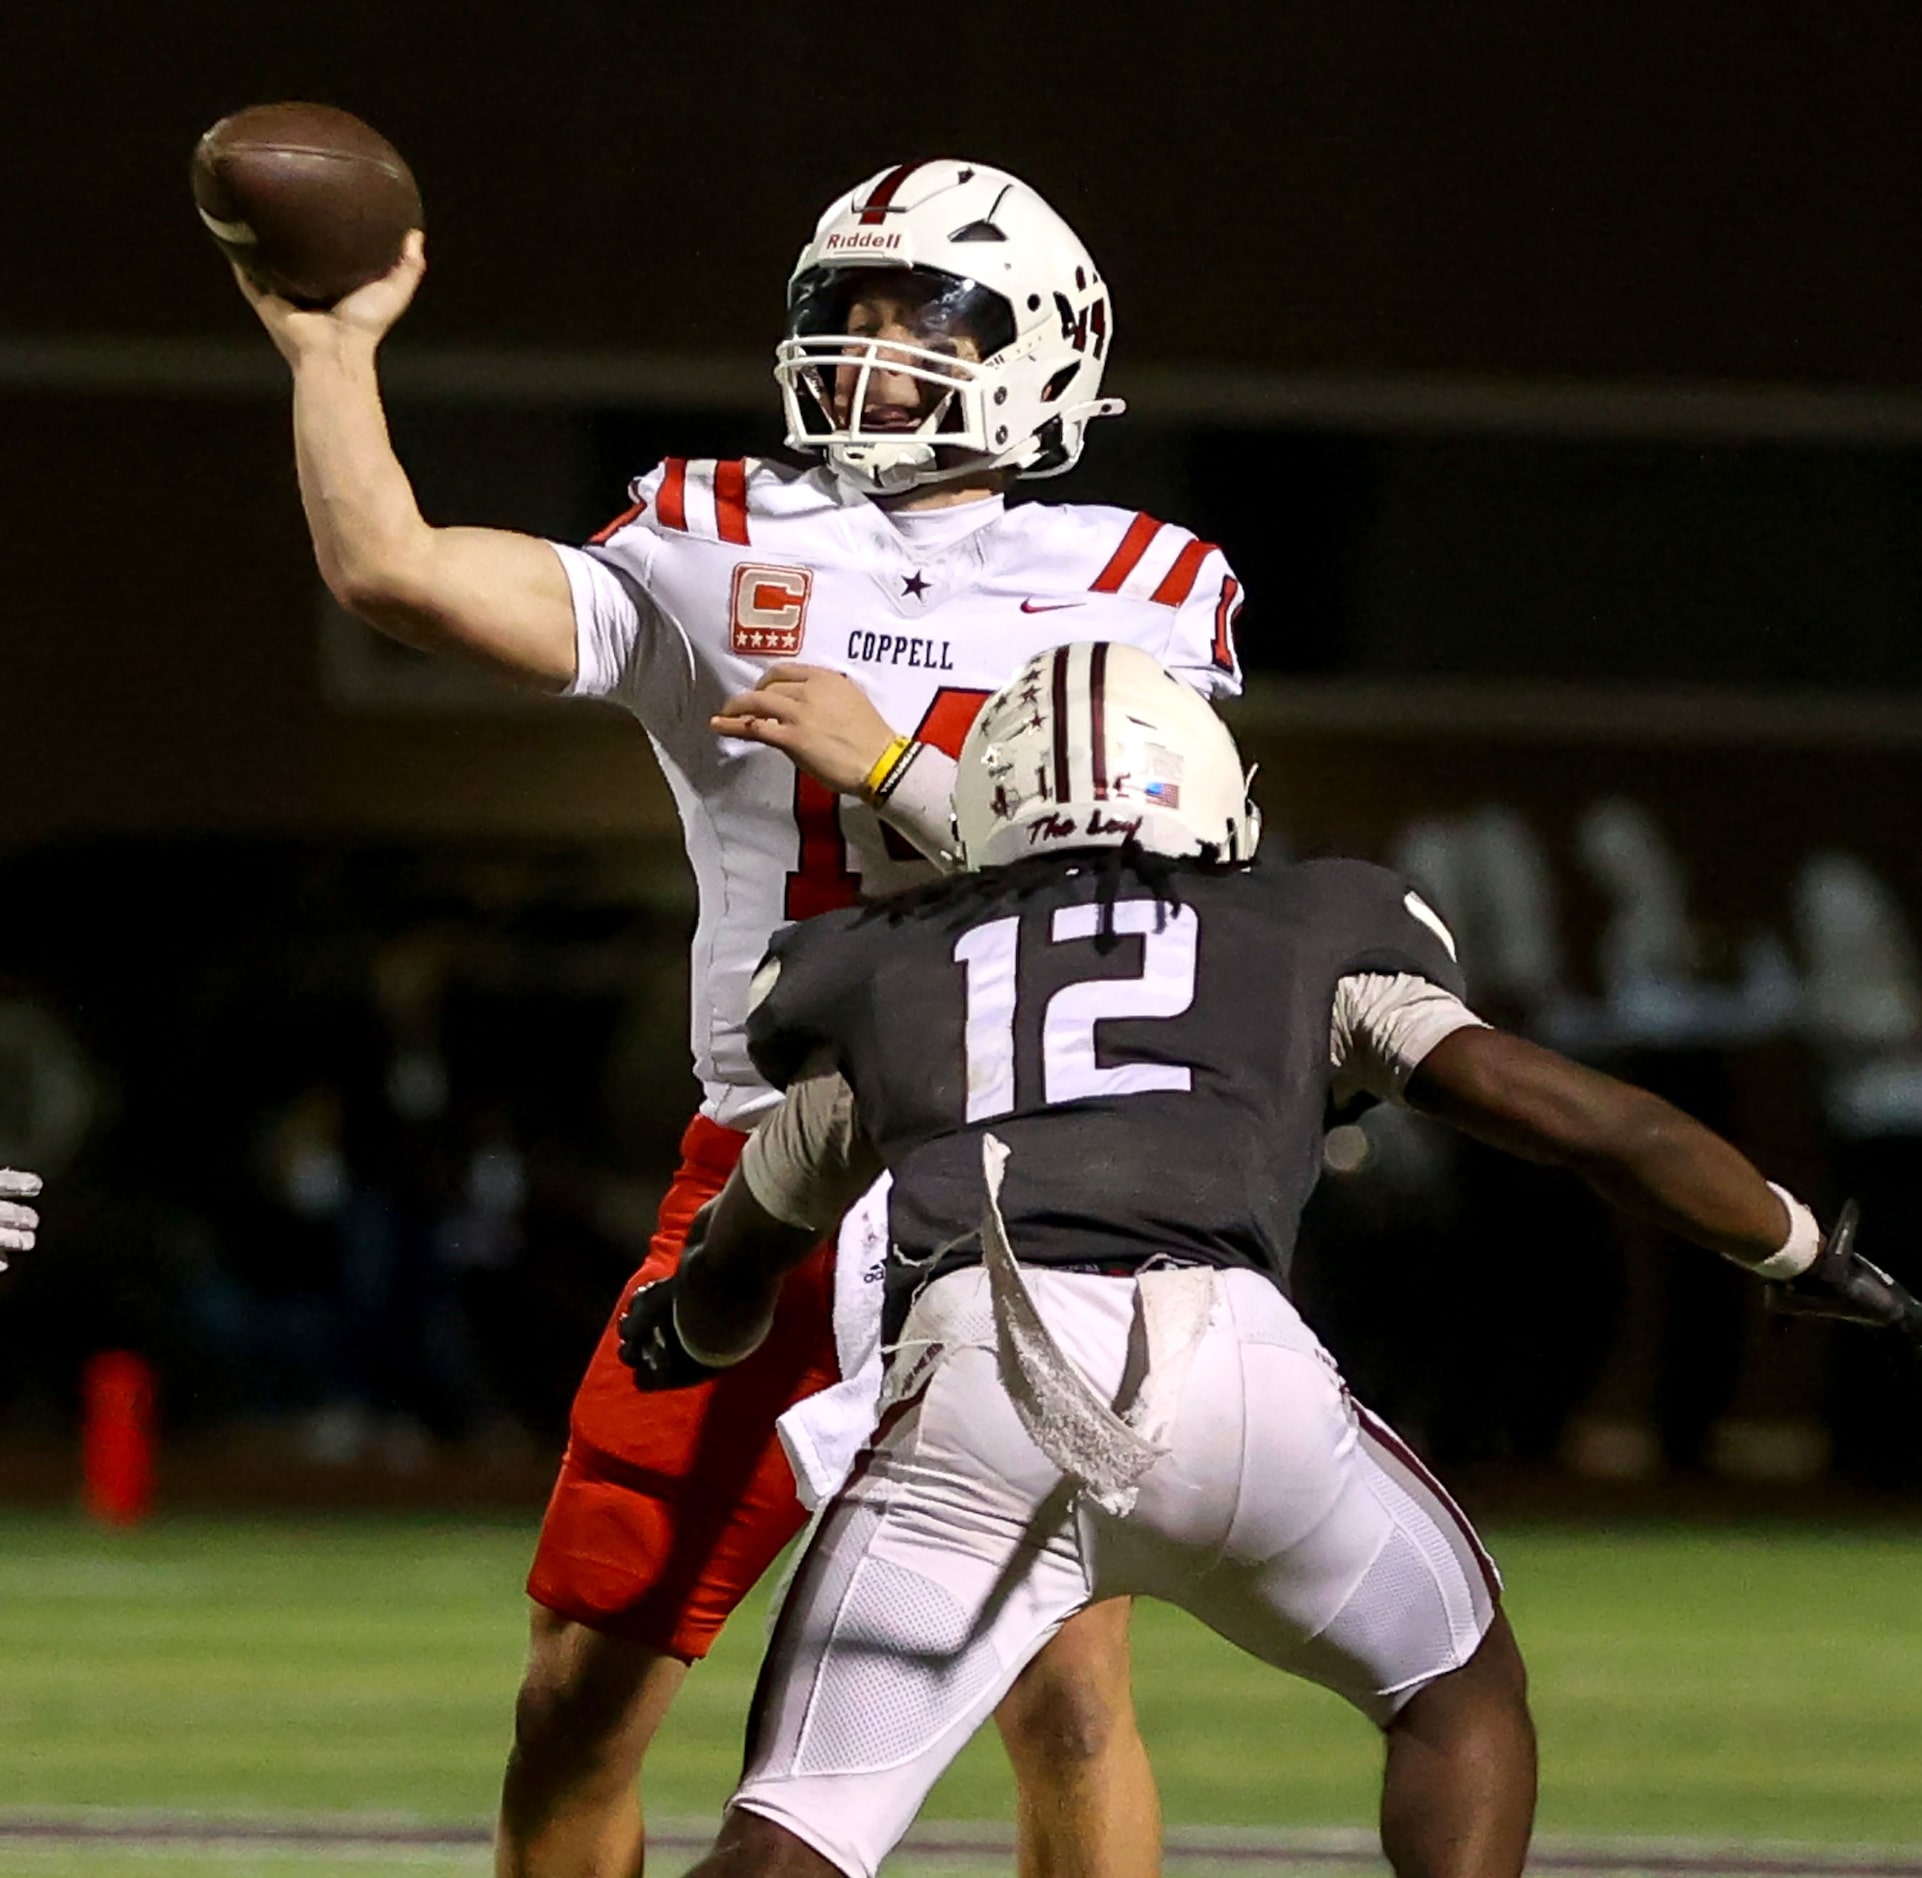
1753,1685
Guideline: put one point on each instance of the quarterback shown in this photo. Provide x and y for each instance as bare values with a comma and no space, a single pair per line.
1099,1067
805,649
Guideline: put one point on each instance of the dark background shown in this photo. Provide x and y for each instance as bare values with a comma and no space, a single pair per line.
1548,372
1708,192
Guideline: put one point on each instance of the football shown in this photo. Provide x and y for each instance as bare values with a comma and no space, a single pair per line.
307,200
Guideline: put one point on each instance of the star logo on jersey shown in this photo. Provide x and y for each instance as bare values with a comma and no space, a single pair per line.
914,584
770,610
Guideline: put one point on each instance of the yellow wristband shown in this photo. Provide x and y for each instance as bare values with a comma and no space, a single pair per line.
884,766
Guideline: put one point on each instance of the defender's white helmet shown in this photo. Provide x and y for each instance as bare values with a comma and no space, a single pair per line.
980,257
1093,745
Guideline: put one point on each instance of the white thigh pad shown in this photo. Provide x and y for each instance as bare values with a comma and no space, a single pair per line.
927,1588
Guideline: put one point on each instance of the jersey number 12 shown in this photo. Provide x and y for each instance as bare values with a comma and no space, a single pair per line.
1070,1068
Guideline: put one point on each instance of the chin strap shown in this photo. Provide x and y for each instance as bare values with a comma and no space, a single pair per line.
891,467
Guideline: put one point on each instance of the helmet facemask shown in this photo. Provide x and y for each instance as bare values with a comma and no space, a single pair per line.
861,337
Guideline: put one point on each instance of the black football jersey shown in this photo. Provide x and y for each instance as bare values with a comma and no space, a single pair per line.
1159,1068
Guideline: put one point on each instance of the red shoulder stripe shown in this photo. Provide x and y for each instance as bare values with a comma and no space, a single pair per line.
671,505
730,500
1178,582
1134,544
618,523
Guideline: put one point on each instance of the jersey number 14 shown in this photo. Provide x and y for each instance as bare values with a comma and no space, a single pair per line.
824,881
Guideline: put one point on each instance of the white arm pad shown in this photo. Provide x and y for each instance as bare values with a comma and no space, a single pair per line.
921,806
808,1162
1800,1249
1383,1025
717,1359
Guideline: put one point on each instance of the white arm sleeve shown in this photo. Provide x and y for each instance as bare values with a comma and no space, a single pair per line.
808,1162
625,647
921,806
1384,1024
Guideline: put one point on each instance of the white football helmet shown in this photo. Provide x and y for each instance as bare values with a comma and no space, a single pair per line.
978,257
1095,744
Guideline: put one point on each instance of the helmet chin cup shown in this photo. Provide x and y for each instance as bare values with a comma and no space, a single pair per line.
1245,834
883,469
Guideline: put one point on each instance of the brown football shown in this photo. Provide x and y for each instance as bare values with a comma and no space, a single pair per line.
308,200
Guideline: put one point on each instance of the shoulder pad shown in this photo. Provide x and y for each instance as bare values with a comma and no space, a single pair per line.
1379,919
795,995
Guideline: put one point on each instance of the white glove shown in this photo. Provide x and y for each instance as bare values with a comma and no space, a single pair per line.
18,1223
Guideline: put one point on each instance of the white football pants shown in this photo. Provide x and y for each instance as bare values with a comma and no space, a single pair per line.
1282,1515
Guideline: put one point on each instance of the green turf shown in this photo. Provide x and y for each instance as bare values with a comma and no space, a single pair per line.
243,1862
1753,1683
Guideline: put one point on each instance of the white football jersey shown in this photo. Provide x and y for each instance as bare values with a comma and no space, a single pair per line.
720,570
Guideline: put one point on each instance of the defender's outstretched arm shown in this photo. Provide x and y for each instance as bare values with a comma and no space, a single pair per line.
1637,1151
497,597
1652,1160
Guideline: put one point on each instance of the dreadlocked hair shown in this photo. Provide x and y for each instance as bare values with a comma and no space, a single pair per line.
1130,864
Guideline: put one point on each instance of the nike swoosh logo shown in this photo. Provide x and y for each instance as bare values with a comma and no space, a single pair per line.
1058,606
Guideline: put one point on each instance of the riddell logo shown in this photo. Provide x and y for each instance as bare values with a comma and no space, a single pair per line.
875,241
770,610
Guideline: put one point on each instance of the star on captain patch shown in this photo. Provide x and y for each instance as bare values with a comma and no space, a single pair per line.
914,584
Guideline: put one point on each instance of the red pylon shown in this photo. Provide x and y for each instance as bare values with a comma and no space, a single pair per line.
118,1436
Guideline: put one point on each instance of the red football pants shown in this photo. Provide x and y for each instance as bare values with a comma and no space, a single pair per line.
669,1507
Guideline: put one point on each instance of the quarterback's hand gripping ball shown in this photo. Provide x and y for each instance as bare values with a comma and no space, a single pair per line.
1843,1284
307,201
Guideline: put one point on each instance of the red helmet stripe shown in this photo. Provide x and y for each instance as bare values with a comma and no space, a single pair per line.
671,504
1134,544
1061,791
1097,708
1178,582
730,500
874,209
